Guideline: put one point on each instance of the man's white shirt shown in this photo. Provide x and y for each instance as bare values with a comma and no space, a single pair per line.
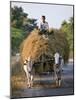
44,26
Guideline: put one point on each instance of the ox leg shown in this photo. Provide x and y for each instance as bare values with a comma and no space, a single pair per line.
32,80
27,75
59,79
59,83
28,80
55,75
56,79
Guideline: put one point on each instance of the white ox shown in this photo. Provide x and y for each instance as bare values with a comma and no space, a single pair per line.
58,68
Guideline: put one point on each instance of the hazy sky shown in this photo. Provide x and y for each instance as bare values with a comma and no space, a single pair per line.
55,14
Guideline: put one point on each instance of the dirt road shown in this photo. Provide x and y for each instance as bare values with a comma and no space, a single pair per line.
50,89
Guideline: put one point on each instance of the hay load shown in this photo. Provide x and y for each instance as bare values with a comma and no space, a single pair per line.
36,46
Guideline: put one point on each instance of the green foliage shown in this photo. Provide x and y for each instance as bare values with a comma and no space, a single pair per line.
21,25
19,19
16,39
67,27
17,16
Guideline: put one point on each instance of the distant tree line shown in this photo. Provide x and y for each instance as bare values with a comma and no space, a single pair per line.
68,28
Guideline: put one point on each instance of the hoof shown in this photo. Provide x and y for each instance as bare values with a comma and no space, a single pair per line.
58,83
28,85
31,85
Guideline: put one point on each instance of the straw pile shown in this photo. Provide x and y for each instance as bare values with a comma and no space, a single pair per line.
35,45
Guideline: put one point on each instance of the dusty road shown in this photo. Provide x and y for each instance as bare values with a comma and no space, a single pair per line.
65,89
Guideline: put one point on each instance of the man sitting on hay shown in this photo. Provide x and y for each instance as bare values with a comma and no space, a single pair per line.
44,28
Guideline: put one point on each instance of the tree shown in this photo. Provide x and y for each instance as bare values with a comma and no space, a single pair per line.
17,15
67,27
21,25
19,19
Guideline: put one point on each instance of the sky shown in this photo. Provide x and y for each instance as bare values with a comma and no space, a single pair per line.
55,14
